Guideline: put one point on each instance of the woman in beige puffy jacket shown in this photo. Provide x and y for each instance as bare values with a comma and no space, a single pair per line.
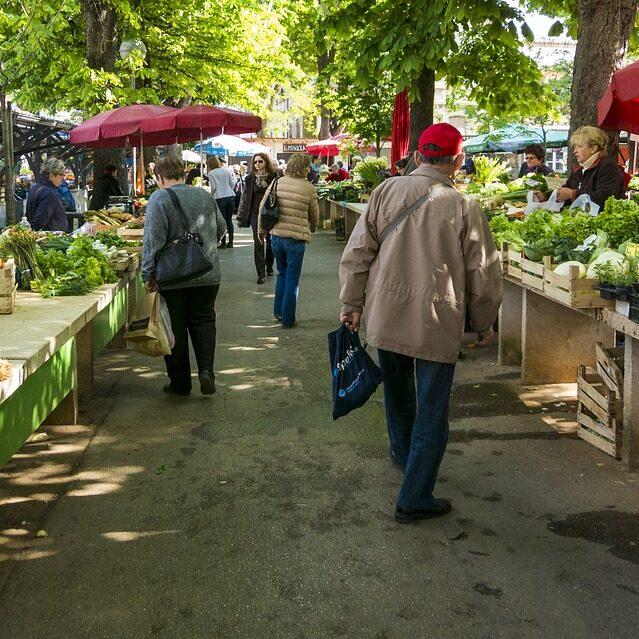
298,216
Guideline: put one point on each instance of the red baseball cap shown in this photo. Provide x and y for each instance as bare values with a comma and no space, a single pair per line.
445,136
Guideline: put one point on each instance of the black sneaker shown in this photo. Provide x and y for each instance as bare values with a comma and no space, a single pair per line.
169,390
207,382
440,508
261,279
269,273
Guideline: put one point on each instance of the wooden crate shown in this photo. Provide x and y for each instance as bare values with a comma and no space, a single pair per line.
513,260
7,278
599,413
532,274
130,234
610,366
8,302
572,290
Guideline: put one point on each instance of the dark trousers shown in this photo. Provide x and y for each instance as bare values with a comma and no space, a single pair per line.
262,253
192,313
417,419
227,206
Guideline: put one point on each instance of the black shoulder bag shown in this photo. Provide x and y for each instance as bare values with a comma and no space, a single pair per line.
270,212
183,258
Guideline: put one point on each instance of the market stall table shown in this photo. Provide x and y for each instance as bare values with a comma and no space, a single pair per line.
550,340
51,344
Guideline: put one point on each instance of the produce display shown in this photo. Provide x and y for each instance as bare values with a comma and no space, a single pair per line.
81,268
56,264
20,243
108,217
597,245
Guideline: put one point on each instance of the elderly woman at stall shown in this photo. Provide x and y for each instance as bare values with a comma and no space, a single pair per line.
597,175
45,209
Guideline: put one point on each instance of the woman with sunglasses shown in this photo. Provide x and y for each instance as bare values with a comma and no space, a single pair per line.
262,173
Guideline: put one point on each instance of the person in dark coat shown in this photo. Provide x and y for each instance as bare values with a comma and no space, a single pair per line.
45,210
262,173
535,161
597,175
105,187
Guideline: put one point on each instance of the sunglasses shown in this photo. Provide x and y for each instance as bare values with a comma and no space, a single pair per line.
258,162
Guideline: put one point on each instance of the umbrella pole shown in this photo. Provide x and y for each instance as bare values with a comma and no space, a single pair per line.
135,169
201,159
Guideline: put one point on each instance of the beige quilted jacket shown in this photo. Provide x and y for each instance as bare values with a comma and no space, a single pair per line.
298,209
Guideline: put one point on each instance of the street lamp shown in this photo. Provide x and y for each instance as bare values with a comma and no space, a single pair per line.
127,48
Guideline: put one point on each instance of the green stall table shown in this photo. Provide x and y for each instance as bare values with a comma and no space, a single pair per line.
51,345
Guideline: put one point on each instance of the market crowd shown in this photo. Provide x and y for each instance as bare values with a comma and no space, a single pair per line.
419,259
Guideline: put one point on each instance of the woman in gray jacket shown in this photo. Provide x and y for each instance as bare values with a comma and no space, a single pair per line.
192,303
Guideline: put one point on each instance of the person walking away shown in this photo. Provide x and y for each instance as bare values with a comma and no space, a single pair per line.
191,303
105,186
223,190
258,180
45,209
298,217
240,173
414,281
314,174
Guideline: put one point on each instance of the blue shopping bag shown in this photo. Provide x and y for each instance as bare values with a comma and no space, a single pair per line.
355,374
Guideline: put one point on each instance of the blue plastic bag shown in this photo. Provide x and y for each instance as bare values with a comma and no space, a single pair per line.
355,374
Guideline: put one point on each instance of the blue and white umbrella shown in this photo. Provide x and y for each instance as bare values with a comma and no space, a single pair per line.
230,145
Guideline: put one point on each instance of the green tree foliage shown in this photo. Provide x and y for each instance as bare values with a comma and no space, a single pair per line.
207,50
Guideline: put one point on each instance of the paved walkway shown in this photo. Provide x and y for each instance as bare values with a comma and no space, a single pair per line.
252,514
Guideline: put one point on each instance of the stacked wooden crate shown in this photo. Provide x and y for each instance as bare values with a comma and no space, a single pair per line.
600,401
7,287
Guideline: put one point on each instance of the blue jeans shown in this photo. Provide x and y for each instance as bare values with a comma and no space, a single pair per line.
289,255
417,419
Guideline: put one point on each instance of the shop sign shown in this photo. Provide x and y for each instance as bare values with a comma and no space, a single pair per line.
294,148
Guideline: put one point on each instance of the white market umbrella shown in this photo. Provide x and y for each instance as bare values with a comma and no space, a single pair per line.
190,156
231,145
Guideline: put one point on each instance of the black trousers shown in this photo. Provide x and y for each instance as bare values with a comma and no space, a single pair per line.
263,255
226,206
192,313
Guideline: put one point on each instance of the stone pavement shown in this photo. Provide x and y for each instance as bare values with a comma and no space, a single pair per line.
251,514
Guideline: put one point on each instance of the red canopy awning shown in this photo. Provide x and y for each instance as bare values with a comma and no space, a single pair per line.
202,121
400,135
116,127
619,107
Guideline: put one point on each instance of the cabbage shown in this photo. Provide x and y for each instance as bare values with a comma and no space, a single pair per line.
564,268
613,257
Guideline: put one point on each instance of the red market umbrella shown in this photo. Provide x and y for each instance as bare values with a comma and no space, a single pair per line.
199,121
328,147
400,135
120,126
619,107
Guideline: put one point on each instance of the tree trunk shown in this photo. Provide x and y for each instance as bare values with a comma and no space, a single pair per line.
102,34
7,145
422,110
602,39
325,116
101,53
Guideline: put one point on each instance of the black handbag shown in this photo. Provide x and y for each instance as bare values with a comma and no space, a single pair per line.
183,258
270,212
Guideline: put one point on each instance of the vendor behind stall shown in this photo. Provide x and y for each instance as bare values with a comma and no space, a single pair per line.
45,211
105,186
597,175
535,157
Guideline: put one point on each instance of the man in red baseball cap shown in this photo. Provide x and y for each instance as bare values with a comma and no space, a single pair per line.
418,257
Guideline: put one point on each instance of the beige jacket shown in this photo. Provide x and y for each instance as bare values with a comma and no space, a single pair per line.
416,287
298,209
